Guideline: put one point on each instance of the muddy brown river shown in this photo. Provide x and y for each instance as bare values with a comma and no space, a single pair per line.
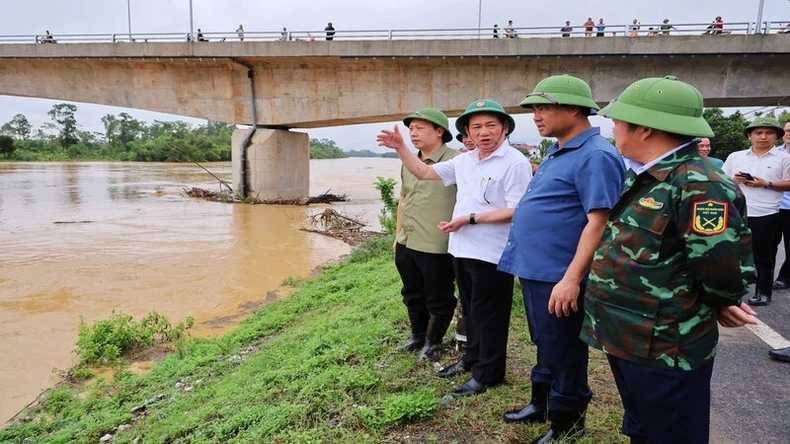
87,239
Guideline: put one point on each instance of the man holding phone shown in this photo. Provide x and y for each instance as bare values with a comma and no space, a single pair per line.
763,173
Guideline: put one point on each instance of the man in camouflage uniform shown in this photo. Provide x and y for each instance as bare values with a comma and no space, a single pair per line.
674,259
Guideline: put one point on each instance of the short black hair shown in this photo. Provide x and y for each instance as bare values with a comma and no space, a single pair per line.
679,138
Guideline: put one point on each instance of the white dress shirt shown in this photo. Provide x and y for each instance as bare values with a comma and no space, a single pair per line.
772,166
493,183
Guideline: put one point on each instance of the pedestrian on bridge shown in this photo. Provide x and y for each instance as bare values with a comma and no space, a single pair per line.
330,32
556,226
490,180
425,267
240,33
674,259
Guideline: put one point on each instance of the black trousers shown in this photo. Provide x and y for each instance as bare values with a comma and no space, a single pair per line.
765,230
784,233
487,298
427,281
664,406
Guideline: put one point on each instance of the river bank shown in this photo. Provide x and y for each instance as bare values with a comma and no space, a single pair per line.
317,366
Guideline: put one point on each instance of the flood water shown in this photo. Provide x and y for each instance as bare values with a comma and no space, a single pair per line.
84,239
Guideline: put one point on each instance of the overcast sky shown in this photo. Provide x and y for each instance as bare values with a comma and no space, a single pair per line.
28,17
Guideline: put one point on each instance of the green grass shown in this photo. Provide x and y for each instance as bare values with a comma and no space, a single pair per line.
318,366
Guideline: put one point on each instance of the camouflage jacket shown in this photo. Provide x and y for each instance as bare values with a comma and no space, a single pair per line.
676,248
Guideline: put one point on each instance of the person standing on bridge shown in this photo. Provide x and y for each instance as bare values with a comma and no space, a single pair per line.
674,259
600,28
556,227
425,267
490,180
330,32
762,172
240,33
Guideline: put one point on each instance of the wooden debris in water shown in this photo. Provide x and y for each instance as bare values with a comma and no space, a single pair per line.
333,224
224,196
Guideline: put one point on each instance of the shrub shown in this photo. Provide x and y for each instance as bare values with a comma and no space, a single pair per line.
389,213
109,339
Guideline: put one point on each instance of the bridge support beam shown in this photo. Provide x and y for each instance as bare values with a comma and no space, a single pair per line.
278,164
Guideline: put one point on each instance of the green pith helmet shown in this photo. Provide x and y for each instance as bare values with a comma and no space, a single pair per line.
432,115
665,104
766,122
483,106
561,90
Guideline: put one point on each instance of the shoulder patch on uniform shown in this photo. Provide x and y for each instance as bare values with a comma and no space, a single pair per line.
710,217
649,202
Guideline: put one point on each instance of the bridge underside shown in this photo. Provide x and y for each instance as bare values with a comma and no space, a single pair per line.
307,92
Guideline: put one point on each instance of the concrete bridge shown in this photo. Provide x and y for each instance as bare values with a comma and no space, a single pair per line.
305,84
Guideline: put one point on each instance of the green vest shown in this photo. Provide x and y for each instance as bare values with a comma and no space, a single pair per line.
424,204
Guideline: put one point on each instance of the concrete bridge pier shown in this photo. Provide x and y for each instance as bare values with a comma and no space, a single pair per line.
278,164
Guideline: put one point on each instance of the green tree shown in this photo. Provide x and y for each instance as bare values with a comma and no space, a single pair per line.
7,146
18,127
325,149
63,115
728,132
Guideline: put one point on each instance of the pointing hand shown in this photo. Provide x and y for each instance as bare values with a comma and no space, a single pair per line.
391,139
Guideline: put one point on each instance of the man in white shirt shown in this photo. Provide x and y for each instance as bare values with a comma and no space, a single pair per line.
763,174
490,180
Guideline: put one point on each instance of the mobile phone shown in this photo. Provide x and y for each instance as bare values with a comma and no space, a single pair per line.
746,176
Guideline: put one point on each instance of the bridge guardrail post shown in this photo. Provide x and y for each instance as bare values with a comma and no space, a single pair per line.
390,34
37,39
113,39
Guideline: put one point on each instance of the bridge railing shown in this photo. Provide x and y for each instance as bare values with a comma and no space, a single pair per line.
618,30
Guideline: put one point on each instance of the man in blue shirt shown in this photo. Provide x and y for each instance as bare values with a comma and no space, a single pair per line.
555,229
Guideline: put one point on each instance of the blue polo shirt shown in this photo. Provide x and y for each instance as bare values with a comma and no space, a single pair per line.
585,174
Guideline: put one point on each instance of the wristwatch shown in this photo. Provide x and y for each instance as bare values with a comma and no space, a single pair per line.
472,220
770,185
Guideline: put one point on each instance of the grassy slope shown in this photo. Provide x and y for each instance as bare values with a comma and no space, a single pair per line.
318,366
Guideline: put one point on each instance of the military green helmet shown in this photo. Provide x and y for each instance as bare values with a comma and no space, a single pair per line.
561,90
484,106
665,104
435,116
766,122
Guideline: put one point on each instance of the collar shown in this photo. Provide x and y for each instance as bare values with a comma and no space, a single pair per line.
435,156
499,152
577,141
661,167
783,148
772,151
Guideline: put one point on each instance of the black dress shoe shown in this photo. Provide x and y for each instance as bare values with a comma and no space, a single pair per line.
455,369
780,354
759,299
470,387
781,284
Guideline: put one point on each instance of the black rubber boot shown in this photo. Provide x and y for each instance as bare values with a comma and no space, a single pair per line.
418,318
432,350
565,425
536,411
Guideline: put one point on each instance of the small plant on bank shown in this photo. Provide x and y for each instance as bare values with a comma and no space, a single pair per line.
109,339
389,213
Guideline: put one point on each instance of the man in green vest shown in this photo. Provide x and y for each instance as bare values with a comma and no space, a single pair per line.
421,257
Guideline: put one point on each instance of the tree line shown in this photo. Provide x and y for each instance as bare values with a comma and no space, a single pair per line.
124,139
128,139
